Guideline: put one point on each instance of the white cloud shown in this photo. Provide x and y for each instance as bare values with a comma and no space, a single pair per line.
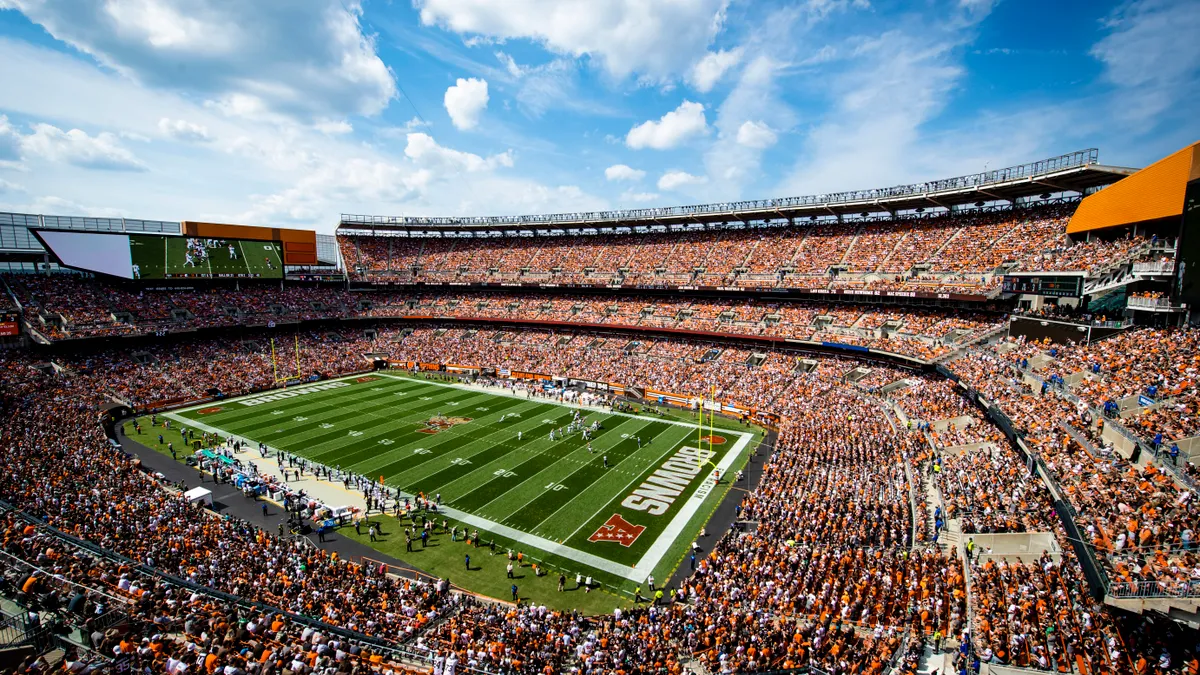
977,6
639,197
356,180
10,141
255,171
58,205
823,55
334,127
709,70
672,180
306,59
623,172
670,130
656,40
76,147
7,187
183,130
746,124
510,65
403,130
1152,53
426,152
756,135
817,10
892,87
465,101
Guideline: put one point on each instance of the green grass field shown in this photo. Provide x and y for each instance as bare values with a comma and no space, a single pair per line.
490,457
158,257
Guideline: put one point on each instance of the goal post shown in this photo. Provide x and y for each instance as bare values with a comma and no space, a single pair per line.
275,362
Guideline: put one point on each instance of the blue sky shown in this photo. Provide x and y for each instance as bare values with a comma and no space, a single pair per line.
287,113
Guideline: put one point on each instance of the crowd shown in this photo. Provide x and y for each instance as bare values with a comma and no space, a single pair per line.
72,480
89,307
64,306
1162,365
937,254
1140,520
832,566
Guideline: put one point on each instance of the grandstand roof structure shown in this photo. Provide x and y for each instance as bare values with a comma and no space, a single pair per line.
1078,171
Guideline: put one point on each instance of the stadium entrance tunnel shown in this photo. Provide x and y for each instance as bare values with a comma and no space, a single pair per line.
111,417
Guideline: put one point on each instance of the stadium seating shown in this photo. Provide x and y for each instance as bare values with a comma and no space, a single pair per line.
958,254
853,553
90,308
841,572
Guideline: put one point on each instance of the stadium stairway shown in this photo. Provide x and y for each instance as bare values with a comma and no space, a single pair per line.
984,337
951,533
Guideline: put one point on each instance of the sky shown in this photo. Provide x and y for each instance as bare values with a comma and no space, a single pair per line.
291,112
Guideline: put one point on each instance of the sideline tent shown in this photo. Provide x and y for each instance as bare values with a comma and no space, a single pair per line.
199,494
210,455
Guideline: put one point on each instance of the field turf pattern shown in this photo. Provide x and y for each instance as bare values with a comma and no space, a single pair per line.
379,427
158,257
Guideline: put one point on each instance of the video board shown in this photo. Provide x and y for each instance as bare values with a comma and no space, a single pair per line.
157,257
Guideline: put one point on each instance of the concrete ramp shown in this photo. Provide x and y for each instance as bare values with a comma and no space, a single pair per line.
1024,546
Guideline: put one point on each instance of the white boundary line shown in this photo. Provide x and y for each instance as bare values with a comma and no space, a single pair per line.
637,573
266,392
506,392
658,549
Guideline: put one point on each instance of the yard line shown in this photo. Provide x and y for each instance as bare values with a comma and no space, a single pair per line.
543,470
410,481
480,479
320,403
636,475
382,425
439,440
604,506
504,392
245,261
529,447
208,404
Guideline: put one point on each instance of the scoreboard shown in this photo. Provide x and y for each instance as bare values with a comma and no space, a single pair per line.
10,324
1060,286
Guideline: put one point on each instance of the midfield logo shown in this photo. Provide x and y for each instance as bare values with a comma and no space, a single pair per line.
619,530
437,424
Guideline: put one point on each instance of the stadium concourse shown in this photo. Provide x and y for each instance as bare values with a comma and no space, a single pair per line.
878,538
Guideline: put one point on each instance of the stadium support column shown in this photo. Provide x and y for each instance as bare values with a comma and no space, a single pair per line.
1187,254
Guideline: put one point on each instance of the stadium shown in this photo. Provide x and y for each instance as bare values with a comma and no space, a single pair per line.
892,428
443,337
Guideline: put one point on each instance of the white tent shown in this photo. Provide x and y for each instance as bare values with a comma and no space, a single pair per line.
199,494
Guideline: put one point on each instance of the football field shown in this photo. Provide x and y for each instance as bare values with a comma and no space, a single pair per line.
489,455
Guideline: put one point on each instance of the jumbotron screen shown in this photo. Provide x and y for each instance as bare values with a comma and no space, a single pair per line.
156,257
